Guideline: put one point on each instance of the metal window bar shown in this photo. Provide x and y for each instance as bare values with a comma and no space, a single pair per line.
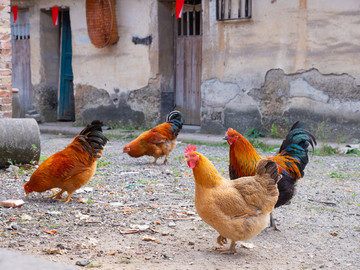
19,30
233,9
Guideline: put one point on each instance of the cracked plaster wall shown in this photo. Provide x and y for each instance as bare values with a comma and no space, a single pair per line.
310,96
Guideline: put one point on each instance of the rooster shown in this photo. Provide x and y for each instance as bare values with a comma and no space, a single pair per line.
159,141
292,159
72,167
238,209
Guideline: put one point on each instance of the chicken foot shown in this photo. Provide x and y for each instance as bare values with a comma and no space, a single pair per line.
68,198
272,223
57,195
231,249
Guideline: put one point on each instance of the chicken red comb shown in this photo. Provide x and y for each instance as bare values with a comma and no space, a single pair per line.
189,149
227,132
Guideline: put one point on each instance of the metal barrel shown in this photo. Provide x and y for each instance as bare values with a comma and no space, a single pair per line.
19,141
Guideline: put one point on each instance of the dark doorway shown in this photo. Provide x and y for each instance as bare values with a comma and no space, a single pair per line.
66,107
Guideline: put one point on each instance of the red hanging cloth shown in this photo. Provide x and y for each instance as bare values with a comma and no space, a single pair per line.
179,8
15,12
55,14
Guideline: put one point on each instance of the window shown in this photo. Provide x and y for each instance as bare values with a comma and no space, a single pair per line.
233,9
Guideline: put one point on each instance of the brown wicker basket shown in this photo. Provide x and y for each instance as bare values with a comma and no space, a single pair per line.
101,22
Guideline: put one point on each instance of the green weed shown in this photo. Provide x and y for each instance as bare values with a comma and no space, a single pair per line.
326,150
253,133
206,143
103,163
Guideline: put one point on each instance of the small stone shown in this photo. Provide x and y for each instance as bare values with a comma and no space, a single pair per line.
25,217
60,246
82,263
116,204
148,238
165,233
147,258
15,226
12,168
172,224
191,243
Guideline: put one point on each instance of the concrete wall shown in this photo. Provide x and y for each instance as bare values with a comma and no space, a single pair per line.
120,82
292,60
5,60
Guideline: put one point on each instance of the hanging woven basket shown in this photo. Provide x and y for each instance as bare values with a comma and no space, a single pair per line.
101,22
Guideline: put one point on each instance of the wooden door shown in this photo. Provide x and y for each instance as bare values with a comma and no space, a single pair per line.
188,41
21,75
66,90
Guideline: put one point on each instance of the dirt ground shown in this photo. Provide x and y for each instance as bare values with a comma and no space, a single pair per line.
135,215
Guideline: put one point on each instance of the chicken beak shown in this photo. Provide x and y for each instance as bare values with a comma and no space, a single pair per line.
186,159
225,138
27,193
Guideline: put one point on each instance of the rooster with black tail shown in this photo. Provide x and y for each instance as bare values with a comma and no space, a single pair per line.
71,168
158,141
292,159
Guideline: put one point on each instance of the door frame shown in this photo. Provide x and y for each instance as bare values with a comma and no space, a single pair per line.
187,64
66,106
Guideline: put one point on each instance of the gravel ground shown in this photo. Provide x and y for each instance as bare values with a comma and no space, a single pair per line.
135,215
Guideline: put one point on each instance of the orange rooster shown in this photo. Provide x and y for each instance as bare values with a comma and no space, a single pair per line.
72,167
238,209
291,159
159,141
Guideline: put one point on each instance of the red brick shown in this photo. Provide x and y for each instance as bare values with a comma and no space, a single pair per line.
5,94
7,114
6,45
6,100
5,51
5,73
5,37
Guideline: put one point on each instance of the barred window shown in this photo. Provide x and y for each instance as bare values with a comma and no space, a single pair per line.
233,9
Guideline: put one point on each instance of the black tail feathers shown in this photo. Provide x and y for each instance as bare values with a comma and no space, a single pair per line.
177,120
94,137
296,145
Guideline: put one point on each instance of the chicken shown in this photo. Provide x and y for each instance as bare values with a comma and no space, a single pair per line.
72,167
159,141
238,209
291,159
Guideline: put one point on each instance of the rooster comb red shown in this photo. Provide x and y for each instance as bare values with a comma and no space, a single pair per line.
189,149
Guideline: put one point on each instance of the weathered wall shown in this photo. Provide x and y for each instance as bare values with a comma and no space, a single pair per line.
314,46
120,70
5,60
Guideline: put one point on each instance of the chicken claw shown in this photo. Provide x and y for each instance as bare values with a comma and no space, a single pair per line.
57,195
231,249
221,240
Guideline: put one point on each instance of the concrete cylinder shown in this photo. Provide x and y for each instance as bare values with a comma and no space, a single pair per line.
19,141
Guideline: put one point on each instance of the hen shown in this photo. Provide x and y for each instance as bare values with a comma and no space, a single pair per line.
291,159
238,209
159,141
72,167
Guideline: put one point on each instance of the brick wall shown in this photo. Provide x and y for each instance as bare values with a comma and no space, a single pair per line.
5,60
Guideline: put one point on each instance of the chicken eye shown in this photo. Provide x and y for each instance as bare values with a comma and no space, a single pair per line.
232,136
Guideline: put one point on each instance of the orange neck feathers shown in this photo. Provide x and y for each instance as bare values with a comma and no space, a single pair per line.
205,173
243,156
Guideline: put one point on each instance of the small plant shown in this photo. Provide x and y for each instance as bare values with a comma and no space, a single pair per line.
326,150
205,143
103,163
274,132
253,133
336,175
321,132
353,151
